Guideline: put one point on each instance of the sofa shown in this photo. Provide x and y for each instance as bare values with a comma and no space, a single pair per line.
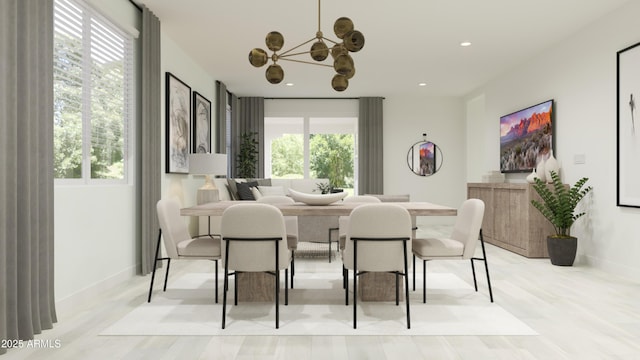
310,228
236,189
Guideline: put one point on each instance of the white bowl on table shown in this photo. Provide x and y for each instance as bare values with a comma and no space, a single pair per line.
316,199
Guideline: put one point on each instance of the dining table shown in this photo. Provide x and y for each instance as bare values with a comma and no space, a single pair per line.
372,286
415,208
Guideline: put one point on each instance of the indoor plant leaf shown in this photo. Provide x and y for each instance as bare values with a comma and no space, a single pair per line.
559,202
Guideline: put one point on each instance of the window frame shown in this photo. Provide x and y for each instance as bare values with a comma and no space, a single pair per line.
306,123
90,14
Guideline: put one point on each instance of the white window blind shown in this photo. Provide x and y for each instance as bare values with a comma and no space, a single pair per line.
93,92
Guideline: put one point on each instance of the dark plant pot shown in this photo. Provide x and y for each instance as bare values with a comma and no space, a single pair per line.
562,250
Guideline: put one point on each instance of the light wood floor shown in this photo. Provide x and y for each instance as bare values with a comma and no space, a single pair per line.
579,312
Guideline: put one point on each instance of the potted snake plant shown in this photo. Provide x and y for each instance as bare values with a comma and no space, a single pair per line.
558,205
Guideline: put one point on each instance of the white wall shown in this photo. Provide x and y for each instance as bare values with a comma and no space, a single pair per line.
580,74
176,61
405,120
94,239
95,225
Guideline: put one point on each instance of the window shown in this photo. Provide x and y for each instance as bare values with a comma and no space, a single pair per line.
93,90
312,147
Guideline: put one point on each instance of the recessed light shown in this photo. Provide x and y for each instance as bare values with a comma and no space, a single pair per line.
422,84
289,84
465,44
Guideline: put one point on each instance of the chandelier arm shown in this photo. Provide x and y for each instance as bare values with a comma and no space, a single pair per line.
306,62
294,54
295,47
331,41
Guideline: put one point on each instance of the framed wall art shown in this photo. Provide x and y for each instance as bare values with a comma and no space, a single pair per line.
201,124
628,136
526,137
178,121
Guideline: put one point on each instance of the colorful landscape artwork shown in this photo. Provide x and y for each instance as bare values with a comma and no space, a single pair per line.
526,137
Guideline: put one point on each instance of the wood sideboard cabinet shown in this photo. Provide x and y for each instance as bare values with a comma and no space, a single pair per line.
510,221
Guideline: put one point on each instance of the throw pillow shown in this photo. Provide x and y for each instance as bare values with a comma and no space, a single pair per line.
271,190
233,189
244,190
256,193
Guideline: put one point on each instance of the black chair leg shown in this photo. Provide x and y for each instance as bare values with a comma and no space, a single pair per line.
293,266
355,281
226,285
286,289
329,247
344,277
278,285
345,284
166,275
216,285
424,281
153,275
414,272
155,265
486,265
406,285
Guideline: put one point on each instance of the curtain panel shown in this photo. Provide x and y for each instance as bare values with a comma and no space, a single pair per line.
27,302
221,118
233,135
248,117
370,149
149,166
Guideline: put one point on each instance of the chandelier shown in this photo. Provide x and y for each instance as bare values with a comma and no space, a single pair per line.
352,41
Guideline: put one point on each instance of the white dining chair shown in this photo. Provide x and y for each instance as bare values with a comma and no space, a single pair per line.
460,245
343,221
179,245
254,240
378,240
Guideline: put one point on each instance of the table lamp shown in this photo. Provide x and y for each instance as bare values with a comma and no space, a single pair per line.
208,165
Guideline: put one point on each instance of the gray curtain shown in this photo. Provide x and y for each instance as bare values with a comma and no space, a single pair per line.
221,118
249,117
150,139
233,134
27,302
370,169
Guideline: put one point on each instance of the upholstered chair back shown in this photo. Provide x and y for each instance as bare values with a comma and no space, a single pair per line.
254,221
468,224
380,221
290,222
343,221
174,228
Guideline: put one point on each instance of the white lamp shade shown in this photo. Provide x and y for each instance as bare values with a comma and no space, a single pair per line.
208,164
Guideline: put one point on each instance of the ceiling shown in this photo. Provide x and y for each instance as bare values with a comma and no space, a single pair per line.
407,42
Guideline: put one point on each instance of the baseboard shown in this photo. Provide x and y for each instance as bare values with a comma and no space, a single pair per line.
70,304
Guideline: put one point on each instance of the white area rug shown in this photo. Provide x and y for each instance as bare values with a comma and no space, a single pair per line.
316,307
